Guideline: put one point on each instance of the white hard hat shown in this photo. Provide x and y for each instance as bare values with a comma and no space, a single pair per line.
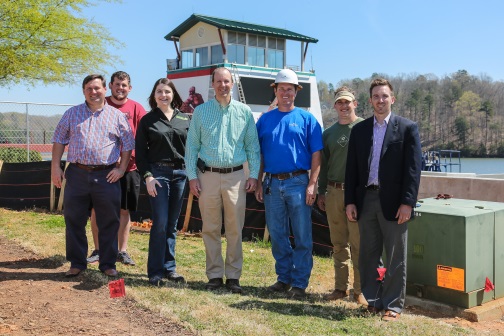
287,76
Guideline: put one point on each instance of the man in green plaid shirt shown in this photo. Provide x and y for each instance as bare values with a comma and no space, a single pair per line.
224,136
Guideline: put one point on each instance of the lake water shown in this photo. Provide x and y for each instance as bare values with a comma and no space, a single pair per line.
478,166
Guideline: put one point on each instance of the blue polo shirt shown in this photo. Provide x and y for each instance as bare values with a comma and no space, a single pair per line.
288,140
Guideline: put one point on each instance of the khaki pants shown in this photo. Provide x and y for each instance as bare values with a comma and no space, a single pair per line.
345,240
218,192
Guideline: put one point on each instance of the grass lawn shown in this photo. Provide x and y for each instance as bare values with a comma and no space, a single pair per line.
256,312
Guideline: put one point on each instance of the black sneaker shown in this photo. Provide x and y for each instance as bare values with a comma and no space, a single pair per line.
297,293
156,280
94,257
214,283
175,277
234,286
125,258
279,287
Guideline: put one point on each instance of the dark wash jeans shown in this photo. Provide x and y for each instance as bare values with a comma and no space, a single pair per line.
165,210
82,189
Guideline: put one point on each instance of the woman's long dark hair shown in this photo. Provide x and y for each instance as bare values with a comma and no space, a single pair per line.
176,102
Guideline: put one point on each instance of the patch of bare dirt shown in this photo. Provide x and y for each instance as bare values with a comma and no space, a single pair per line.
494,327
483,328
36,299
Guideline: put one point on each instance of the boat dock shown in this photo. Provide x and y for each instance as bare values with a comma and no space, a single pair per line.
441,159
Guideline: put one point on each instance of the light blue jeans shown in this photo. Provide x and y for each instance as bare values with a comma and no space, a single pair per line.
286,204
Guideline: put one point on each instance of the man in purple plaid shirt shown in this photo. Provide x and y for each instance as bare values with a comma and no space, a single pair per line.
97,134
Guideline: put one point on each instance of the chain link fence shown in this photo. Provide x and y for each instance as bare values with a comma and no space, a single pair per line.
26,130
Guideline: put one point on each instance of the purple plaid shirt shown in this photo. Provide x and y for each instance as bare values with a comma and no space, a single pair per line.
378,136
94,138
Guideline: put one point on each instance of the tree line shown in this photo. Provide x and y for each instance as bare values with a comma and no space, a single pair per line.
459,111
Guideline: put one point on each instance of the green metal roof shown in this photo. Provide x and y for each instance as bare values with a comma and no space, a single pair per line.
238,26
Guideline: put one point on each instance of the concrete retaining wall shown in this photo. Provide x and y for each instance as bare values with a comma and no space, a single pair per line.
466,186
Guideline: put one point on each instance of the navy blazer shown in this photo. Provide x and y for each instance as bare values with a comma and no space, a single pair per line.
399,170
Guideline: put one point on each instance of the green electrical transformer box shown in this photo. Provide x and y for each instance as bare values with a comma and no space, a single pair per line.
454,245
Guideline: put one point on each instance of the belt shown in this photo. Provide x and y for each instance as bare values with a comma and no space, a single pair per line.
337,185
174,165
224,170
373,187
93,167
286,176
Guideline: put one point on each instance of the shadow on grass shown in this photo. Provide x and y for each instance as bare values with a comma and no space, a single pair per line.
262,299
264,293
141,280
303,308
45,263
21,270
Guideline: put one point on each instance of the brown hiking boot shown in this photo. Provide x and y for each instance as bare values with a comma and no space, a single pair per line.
297,293
360,299
279,287
336,295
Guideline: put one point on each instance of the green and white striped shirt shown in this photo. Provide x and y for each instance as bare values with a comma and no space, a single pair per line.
223,137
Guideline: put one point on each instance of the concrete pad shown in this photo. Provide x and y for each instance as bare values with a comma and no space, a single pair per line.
493,310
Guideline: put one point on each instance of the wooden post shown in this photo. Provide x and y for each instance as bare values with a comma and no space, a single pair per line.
62,192
52,196
187,213
266,234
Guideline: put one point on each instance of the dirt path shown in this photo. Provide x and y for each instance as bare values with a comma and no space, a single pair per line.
36,299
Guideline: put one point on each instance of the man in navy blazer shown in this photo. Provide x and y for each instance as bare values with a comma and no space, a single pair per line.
381,187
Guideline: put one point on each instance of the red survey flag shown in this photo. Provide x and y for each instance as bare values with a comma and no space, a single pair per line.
117,288
381,273
489,286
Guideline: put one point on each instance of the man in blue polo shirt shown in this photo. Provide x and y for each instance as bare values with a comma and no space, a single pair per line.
291,143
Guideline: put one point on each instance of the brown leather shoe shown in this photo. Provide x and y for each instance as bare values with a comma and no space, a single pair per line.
337,294
111,273
391,316
72,272
360,299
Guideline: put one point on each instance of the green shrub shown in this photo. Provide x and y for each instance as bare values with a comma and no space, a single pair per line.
13,154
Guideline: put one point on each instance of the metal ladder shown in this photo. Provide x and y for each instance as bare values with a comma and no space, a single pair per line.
211,90
236,76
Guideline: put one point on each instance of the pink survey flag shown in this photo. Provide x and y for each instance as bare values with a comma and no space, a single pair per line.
381,273
489,286
117,288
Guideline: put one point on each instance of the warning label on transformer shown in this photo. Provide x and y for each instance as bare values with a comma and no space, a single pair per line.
450,277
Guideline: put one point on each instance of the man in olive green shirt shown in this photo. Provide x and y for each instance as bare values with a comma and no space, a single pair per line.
344,234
